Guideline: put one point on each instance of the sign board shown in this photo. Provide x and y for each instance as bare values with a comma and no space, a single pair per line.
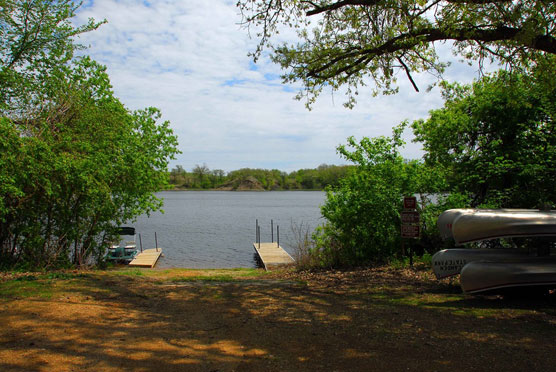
409,217
410,231
410,202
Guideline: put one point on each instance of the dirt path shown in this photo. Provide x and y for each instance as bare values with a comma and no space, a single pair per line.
364,320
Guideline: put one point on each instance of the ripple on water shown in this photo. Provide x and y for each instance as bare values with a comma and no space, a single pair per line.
216,229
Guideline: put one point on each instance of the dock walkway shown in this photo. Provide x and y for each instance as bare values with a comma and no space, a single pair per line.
272,255
147,258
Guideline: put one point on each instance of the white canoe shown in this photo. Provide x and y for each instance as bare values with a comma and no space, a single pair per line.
481,276
449,262
446,219
494,224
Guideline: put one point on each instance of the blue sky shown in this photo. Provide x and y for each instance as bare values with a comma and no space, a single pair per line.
189,58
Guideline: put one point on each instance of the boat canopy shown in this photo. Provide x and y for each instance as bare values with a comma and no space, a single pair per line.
126,230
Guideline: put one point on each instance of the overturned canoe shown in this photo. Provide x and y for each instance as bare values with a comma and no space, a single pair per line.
482,276
493,224
446,219
449,262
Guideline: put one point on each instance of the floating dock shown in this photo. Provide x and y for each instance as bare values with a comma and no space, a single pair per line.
272,255
147,258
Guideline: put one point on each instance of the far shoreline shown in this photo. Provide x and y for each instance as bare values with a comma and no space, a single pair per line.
251,190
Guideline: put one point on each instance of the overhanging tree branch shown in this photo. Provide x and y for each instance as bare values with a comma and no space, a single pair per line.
407,41
408,73
338,5
354,40
318,9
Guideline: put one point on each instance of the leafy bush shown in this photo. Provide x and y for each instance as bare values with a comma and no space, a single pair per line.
363,213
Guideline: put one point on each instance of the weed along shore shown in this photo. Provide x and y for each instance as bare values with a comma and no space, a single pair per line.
379,318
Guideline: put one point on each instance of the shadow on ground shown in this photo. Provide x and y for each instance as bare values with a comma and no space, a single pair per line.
324,322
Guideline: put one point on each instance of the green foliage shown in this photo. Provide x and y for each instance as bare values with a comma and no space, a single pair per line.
36,36
25,288
348,43
75,162
404,262
363,213
497,138
303,246
202,177
130,272
326,251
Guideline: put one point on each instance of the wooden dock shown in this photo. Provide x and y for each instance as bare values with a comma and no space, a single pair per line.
147,258
272,255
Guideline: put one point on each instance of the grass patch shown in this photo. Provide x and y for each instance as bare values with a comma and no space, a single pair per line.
425,301
188,275
41,285
461,305
26,288
129,272
203,274
63,275
418,262
204,278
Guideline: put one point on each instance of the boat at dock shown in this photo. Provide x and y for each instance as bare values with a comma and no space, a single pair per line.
126,251
123,251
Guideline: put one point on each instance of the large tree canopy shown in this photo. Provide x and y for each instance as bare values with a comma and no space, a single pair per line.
35,37
497,138
346,42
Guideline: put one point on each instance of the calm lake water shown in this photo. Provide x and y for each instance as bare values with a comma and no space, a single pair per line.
216,229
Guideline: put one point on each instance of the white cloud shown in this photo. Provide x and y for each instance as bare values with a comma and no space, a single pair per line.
189,58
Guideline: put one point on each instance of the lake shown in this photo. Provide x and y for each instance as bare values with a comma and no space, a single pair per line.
216,229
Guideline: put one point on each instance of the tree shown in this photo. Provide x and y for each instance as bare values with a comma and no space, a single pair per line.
356,40
77,170
363,212
201,171
74,162
177,175
497,138
34,35
216,177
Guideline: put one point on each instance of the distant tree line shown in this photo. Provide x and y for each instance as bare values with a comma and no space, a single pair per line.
201,177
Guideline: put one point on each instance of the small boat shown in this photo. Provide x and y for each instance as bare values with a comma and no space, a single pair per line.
493,269
126,251
450,262
446,220
494,224
481,276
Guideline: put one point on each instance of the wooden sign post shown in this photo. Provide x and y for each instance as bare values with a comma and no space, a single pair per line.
410,202
410,227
